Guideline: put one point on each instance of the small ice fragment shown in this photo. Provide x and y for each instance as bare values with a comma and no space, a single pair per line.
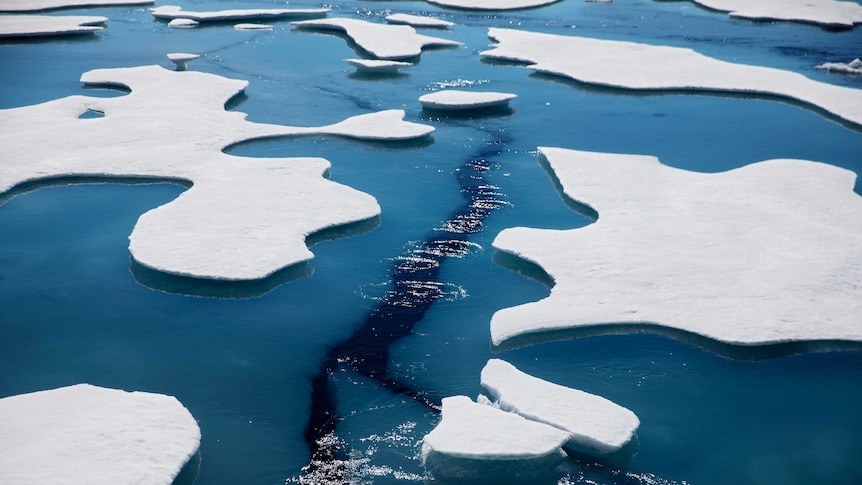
252,27
417,21
377,66
183,23
181,58
453,99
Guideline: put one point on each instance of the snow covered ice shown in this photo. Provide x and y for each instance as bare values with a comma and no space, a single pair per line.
458,100
377,66
49,25
491,5
828,13
40,5
418,21
170,12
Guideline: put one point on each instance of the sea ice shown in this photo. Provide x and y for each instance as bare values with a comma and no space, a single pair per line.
418,21
40,5
829,13
181,59
457,100
377,66
252,27
48,25
853,67
170,12
383,41
593,422
763,254
94,435
492,4
481,443
631,65
243,218
183,23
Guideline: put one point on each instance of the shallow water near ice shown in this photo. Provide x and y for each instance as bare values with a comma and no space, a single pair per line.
71,311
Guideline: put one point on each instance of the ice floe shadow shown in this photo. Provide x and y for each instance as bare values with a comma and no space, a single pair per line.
392,145
432,114
189,472
34,185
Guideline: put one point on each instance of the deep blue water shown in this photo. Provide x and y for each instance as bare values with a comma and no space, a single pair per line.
71,311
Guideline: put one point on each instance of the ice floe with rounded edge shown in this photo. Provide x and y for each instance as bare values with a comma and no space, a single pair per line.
763,254
383,41
853,67
170,12
181,59
40,5
49,25
828,13
492,4
183,23
631,65
377,66
243,218
95,435
418,21
594,423
457,100
252,27
483,444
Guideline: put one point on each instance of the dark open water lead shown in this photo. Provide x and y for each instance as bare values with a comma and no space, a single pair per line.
416,286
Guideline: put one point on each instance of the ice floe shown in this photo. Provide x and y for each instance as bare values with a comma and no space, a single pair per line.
457,100
252,27
183,23
40,5
170,12
383,41
377,66
492,4
181,59
763,254
594,423
95,435
49,25
853,67
483,444
638,66
829,13
418,21
243,218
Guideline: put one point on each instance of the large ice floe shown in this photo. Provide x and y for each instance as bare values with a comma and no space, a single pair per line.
40,5
383,41
594,423
94,435
482,444
49,25
499,5
829,13
630,65
243,218
763,254
170,12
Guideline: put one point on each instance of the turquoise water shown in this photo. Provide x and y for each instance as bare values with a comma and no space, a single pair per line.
71,311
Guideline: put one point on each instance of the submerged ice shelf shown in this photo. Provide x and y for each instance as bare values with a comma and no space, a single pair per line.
630,65
763,254
88,434
243,218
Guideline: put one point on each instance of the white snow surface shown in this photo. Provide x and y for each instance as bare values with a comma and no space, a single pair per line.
244,218
478,431
373,65
94,435
631,65
592,422
252,27
383,41
169,12
853,67
39,5
830,13
418,21
454,99
48,25
492,4
766,253
183,23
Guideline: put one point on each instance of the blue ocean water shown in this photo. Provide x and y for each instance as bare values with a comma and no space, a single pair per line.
71,311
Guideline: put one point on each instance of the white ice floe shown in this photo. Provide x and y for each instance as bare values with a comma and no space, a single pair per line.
767,253
49,25
853,67
39,5
383,41
377,66
169,12
594,423
244,218
830,13
638,66
492,4
252,27
181,59
183,23
418,21
457,100
477,442
94,435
